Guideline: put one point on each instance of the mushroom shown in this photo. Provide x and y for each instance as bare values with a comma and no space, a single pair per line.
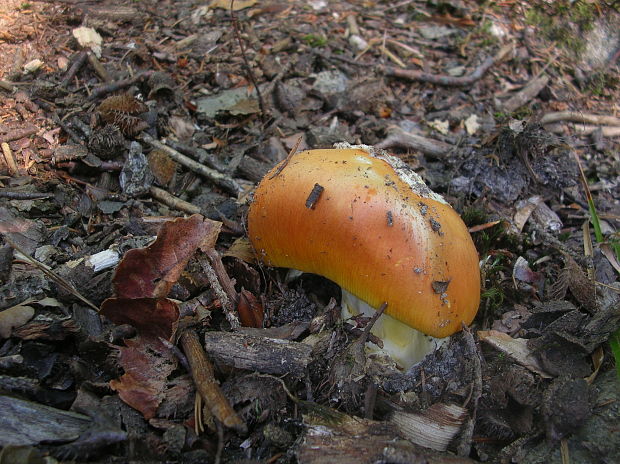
365,220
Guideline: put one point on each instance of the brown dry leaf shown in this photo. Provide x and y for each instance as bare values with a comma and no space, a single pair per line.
147,365
242,248
152,317
152,271
239,4
250,310
14,316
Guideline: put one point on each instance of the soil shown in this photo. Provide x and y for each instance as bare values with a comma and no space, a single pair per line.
136,323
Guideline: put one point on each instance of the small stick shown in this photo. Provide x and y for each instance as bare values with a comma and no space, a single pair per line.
218,178
18,195
228,285
117,85
75,67
574,116
287,159
227,304
98,67
246,63
173,202
19,134
440,79
10,160
371,322
52,275
207,386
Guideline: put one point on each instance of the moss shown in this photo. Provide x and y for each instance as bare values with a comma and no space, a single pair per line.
315,40
563,21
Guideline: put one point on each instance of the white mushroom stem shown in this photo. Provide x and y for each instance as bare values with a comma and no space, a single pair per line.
404,345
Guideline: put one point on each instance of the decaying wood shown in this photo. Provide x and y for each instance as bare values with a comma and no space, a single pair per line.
398,137
332,436
173,202
222,285
207,386
9,159
525,95
583,118
219,179
260,354
27,423
433,428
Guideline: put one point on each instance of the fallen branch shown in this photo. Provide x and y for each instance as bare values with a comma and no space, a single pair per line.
580,129
173,202
400,138
206,385
259,354
218,286
441,79
584,118
117,85
218,178
525,95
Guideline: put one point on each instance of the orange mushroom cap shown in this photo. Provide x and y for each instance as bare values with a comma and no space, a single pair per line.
365,220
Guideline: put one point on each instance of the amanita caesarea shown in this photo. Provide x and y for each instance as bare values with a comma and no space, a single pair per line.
365,220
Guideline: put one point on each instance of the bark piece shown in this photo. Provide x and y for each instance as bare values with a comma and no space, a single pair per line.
259,354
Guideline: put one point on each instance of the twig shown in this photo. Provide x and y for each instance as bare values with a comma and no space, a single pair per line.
399,137
98,67
49,273
117,85
526,94
9,159
371,323
75,67
207,386
287,159
18,195
440,79
220,442
228,285
246,63
219,179
19,134
173,202
227,304
585,118
8,86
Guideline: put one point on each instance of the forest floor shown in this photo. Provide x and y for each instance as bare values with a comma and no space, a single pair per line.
122,121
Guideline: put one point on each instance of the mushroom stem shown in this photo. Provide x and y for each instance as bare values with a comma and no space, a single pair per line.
405,345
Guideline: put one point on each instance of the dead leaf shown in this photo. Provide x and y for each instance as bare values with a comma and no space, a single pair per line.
152,271
250,310
152,317
147,365
242,248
